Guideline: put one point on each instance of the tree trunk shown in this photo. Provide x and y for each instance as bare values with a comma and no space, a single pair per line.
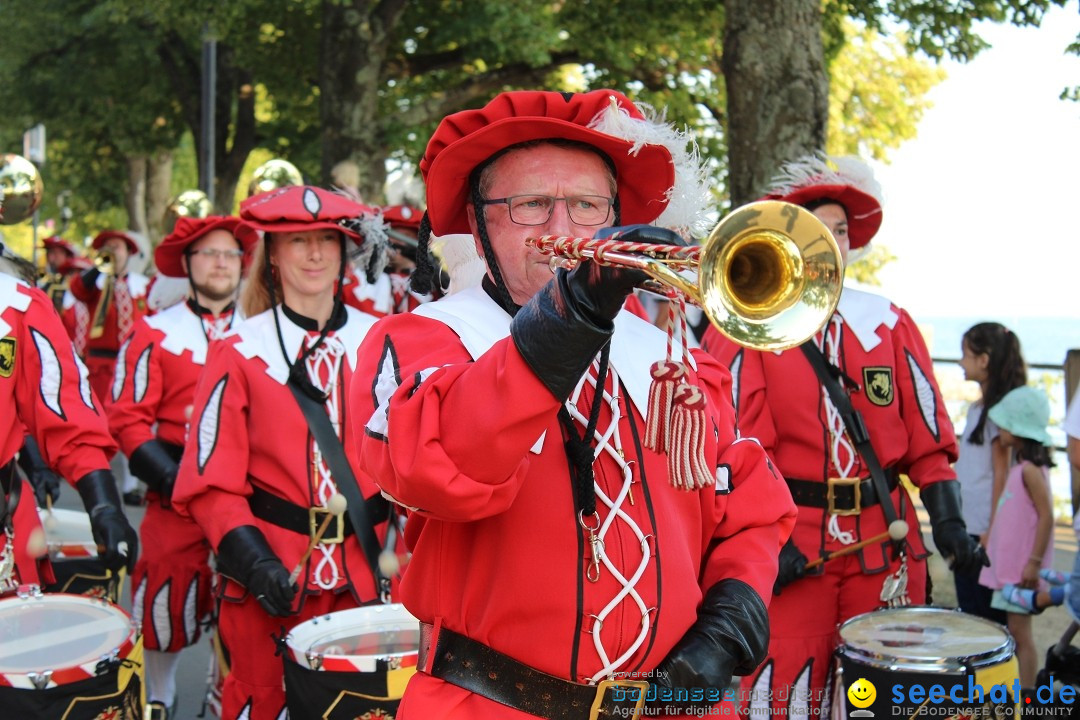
777,89
235,134
158,188
135,197
355,34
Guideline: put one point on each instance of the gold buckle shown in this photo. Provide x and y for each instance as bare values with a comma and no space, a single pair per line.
604,685
855,482
334,534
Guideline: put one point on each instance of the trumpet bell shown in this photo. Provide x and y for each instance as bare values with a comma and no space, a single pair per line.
105,262
21,189
770,275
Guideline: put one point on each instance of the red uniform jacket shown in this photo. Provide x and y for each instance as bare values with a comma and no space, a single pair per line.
158,368
779,401
451,421
44,391
247,431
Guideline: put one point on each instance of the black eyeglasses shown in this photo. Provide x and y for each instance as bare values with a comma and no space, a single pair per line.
214,254
537,209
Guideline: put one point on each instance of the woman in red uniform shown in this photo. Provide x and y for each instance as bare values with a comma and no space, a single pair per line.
252,476
152,397
879,356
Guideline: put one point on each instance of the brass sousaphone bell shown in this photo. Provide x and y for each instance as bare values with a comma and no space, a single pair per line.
769,275
190,203
273,174
21,188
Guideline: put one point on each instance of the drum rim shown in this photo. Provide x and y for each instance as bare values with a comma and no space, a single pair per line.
950,664
393,616
88,664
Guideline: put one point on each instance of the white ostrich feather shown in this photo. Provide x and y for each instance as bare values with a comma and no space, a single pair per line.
458,253
820,169
689,197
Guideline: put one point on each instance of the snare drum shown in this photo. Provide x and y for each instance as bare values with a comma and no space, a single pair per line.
69,656
901,649
74,557
351,662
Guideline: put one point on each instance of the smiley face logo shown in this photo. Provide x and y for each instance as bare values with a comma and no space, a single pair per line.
861,693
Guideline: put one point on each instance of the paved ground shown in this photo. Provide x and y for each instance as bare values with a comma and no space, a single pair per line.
1049,626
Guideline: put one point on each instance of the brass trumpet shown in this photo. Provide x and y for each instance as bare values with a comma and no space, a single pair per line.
769,275
105,262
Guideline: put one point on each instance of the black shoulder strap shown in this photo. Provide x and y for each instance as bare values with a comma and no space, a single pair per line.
854,423
334,453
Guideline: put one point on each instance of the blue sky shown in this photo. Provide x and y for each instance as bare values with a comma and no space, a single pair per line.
982,209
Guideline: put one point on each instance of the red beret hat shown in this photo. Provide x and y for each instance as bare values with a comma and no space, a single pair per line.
402,216
297,208
464,140
845,180
106,235
55,241
188,230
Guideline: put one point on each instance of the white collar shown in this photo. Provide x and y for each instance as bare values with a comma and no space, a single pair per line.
864,313
259,338
480,322
183,330
10,297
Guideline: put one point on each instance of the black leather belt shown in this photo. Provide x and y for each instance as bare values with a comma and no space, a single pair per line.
278,511
98,353
815,494
489,673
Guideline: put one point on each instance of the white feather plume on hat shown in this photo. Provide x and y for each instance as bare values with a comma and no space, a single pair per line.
800,176
821,169
689,197
458,254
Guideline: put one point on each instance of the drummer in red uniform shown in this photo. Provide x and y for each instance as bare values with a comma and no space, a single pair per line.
152,399
553,558
45,392
252,475
124,296
874,349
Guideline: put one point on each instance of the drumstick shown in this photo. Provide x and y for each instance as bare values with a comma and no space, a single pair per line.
336,506
898,530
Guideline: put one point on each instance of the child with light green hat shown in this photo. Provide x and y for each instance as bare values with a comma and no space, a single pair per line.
1020,547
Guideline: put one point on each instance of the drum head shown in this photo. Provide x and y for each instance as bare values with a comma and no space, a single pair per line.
924,638
67,533
55,632
356,639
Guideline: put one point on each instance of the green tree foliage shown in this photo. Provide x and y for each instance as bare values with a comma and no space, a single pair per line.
116,78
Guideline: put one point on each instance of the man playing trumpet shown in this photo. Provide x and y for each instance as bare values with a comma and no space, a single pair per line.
116,298
554,565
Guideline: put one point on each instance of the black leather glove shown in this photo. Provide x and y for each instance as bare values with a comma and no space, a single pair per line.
560,330
89,277
792,566
152,463
730,637
942,502
245,556
118,543
45,482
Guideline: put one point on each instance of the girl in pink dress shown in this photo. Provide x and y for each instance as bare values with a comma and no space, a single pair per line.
1020,534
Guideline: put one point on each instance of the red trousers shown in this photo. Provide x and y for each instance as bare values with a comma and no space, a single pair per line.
170,587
